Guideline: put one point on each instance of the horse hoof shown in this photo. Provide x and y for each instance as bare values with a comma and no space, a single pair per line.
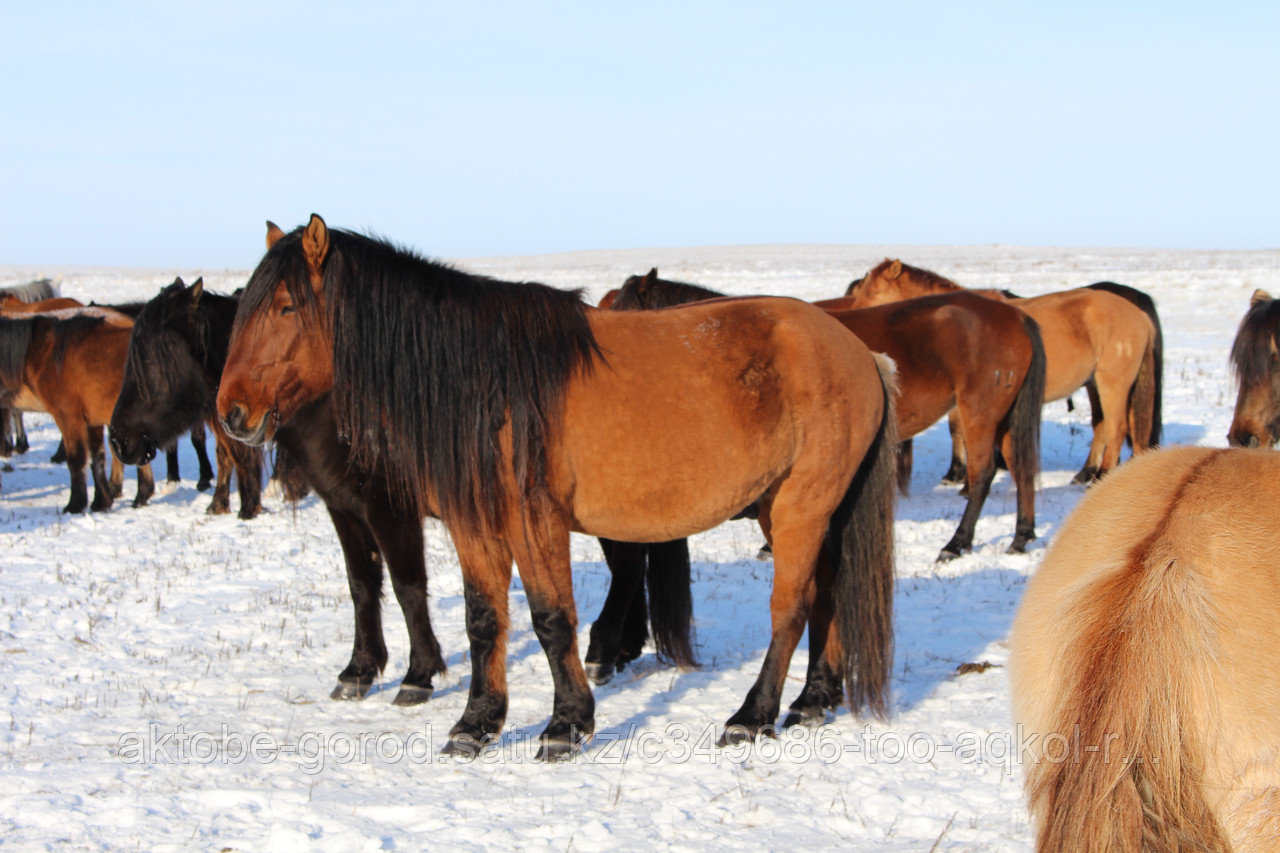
599,673
74,508
247,513
203,485
556,750
736,733
947,555
1018,547
349,691
411,695
807,717
217,508
100,506
765,553
465,745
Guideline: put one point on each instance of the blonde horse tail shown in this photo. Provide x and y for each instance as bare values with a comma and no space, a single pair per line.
1119,765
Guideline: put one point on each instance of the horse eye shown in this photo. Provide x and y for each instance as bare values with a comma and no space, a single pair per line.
287,309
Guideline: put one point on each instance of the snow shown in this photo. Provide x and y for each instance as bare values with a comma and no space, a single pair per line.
165,674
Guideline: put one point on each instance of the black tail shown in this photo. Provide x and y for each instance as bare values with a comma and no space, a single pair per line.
860,542
1148,306
1024,415
667,577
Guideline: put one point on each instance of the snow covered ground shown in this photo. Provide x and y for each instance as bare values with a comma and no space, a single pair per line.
165,674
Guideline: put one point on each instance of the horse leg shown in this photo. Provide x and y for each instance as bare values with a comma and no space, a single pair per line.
226,456
824,681
626,589
1115,420
955,475
20,444
542,556
979,440
60,455
105,490
248,464
906,460
6,432
364,577
202,457
1092,465
797,536
486,576
171,465
76,453
399,538
146,486
1024,479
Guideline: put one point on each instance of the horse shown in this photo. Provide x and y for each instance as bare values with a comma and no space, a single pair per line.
176,351
197,432
1105,337
982,358
1144,657
13,433
517,413
1254,356
69,363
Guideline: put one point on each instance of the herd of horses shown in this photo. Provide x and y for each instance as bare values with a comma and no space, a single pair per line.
398,388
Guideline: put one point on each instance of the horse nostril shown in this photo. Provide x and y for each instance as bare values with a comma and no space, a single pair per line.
235,418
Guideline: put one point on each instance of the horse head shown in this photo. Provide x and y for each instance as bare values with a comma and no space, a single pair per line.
280,356
1255,359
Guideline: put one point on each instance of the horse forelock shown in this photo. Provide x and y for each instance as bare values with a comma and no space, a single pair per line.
1257,342
431,363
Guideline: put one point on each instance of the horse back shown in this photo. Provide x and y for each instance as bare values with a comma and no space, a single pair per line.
75,363
713,398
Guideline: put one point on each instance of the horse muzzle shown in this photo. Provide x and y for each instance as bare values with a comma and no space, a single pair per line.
236,423
140,452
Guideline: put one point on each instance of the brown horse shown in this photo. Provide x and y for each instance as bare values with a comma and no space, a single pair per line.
958,351
1104,337
1144,660
1255,354
70,363
519,414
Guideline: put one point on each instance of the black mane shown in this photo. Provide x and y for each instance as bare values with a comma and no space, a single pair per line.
1254,351
431,362
15,340
640,292
168,336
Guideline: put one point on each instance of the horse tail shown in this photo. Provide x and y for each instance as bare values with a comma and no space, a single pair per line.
860,546
1148,306
1024,415
667,578
1118,764
1144,399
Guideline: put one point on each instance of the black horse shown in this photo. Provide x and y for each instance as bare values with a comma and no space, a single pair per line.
176,352
132,310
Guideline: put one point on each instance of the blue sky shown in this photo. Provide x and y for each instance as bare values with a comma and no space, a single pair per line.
164,134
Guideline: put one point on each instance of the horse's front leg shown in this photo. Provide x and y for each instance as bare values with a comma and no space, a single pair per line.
202,457
399,538
364,577
76,450
105,490
247,462
225,454
486,576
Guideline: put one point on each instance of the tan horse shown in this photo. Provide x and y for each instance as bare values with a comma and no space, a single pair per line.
1145,664
518,414
1093,337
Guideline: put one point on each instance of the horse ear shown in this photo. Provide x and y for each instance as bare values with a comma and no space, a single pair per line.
649,278
1259,296
273,233
895,269
315,244
196,290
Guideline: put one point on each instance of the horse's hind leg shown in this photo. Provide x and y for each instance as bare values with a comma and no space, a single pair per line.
171,464
824,681
1093,463
60,455
626,590
364,577
486,574
146,485
955,475
797,536
105,490
6,432
202,457
399,538
20,444
979,439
